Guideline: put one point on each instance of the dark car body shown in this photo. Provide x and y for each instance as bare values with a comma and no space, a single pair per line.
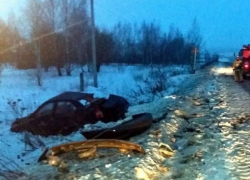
64,114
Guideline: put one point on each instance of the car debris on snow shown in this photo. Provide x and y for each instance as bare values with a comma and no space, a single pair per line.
182,114
136,125
88,148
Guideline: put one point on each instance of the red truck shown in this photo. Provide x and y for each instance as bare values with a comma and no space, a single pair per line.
244,53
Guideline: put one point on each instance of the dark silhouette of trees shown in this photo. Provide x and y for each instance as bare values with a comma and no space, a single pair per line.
59,35
148,44
104,47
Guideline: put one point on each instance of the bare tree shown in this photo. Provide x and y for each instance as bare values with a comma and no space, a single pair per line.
74,22
14,39
52,17
3,41
151,36
6,35
80,34
126,38
34,16
194,41
65,10
193,36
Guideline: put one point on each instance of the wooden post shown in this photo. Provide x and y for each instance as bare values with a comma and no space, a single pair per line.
81,82
195,51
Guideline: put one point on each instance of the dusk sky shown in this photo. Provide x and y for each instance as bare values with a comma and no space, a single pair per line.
224,24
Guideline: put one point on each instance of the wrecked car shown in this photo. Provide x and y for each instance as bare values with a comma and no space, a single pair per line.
65,113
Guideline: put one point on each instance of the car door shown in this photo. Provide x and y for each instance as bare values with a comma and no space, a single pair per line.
65,112
42,119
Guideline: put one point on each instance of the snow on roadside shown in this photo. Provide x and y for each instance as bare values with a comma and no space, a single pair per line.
20,86
184,164
209,165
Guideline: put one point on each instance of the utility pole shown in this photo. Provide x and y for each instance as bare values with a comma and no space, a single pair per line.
93,43
195,51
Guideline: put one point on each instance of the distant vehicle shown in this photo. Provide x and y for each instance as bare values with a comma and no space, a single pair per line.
244,53
64,114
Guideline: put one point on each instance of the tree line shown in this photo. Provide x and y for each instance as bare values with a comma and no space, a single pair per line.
58,33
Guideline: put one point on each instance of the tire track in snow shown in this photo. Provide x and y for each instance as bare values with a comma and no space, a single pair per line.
238,140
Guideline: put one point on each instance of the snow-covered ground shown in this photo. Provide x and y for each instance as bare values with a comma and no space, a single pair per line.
20,95
206,126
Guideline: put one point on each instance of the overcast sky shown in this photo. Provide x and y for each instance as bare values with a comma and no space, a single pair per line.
224,24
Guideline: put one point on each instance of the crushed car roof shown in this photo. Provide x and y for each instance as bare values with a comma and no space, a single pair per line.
70,95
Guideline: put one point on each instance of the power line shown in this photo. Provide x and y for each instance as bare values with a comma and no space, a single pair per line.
40,37
55,32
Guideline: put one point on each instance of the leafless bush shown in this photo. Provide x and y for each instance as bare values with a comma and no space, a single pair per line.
17,107
152,86
32,142
157,82
37,75
9,169
138,77
69,67
175,73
